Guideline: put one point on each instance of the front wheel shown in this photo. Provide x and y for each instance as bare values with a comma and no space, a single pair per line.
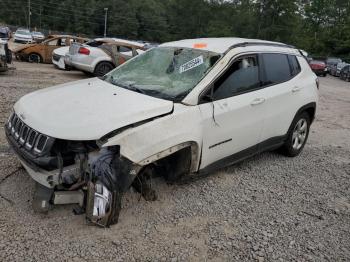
34,58
297,136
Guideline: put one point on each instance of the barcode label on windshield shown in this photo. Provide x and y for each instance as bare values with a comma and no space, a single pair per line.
191,64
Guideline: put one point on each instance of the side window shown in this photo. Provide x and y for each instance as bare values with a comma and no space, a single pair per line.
52,42
124,49
277,68
241,77
294,65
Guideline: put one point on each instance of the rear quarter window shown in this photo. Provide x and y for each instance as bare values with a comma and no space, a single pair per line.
277,68
294,65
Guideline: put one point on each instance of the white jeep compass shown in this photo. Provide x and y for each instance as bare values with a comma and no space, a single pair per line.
180,110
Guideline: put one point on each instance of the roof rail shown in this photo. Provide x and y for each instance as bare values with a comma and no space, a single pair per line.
260,43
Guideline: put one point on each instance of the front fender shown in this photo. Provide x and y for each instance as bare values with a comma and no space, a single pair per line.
163,136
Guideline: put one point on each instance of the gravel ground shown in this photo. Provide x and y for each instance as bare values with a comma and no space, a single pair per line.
267,208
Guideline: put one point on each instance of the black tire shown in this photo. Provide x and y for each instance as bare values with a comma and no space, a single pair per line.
103,68
35,58
324,74
292,147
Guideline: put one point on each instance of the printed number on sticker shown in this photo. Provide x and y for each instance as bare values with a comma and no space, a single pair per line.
191,64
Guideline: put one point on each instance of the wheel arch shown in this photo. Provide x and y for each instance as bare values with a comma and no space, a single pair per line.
310,109
194,151
100,62
35,53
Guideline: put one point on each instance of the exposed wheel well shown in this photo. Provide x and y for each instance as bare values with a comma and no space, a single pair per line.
174,166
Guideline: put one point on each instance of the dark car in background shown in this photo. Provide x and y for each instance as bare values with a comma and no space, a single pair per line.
331,61
345,73
318,67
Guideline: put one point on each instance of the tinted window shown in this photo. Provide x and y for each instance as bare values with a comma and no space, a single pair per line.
124,49
243,76
294,65
277,69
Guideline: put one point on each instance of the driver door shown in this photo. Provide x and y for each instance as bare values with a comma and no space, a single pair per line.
50,46
233,121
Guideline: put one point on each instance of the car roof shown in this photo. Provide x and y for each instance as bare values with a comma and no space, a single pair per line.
119,41
218,45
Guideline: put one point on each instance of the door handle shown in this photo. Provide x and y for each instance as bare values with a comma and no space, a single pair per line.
296,89
257,101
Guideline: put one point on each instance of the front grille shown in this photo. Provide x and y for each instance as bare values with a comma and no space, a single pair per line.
56,57
26,137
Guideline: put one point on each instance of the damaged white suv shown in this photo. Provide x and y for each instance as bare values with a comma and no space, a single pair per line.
180,110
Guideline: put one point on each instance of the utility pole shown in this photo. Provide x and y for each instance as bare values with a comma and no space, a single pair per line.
40,17
29,14
106,10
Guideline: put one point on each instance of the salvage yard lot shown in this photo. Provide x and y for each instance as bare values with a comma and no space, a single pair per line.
266,208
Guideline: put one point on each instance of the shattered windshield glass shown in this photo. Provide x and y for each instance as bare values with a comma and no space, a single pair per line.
164,72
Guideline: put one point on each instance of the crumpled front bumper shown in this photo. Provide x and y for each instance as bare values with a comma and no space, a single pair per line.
49,179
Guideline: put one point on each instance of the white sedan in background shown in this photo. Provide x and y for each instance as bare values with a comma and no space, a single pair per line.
101,55
23,36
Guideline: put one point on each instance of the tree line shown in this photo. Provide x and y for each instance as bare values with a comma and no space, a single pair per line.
321,27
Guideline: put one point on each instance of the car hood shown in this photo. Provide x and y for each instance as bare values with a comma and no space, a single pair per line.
87,109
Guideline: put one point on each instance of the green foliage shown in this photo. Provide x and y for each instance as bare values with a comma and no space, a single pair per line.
318,26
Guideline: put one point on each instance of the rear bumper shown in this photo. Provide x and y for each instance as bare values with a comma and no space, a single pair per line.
59,62
79,62
83,67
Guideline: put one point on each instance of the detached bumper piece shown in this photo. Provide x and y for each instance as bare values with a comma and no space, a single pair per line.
111,176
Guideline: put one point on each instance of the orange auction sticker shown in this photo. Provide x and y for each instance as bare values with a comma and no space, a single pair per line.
200,45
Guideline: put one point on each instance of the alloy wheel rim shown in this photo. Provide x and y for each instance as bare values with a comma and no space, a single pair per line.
104,69
299,134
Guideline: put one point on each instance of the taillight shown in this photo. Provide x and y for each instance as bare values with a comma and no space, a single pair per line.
318,83
84,51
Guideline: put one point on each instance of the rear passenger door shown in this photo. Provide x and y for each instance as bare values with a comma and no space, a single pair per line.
281,81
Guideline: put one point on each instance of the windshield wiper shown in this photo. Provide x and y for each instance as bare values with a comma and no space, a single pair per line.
137,89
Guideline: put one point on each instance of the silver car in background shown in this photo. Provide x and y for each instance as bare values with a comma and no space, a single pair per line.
101,55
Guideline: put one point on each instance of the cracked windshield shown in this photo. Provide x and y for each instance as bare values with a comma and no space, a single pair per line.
164,72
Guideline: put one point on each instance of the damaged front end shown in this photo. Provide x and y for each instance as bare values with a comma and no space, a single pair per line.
74,172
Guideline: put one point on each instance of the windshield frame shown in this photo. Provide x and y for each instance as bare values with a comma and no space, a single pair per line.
177,99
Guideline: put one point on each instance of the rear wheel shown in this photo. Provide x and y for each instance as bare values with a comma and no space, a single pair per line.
34,58
297,135
103,68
